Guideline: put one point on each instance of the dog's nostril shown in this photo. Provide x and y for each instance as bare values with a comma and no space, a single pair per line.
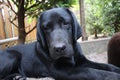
63,47
59,48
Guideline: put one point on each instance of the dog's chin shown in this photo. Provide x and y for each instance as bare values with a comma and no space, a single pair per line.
63,62
60,56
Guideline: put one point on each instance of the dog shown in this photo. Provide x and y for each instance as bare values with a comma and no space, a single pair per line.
55,54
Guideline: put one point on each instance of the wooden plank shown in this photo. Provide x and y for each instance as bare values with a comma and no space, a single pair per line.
2,31
8,26
15,29
33,33
31,36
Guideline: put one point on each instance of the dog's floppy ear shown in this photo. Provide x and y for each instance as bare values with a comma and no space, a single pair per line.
77,31
40,34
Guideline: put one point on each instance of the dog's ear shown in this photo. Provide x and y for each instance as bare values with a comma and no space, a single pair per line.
40,34
77,31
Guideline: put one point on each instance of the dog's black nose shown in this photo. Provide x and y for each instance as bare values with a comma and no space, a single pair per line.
60,47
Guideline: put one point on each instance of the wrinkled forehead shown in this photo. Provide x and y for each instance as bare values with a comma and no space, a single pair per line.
55,15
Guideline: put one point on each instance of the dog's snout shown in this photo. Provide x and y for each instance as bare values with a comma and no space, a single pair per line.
59,47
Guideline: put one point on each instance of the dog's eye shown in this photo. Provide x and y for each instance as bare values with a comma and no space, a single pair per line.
46,27
66,23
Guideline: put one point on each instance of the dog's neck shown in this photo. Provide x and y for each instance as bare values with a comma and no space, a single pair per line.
64,63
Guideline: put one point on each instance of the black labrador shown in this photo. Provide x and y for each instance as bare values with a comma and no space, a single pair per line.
56,52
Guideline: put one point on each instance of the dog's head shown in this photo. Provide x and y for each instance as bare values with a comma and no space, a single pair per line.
58,30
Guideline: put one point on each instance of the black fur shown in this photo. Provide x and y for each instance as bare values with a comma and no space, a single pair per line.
56,52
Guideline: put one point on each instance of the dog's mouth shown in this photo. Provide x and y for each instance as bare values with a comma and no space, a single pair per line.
63,62
61,56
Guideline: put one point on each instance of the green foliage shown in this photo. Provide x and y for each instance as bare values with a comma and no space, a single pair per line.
65,3
103,15
34,7
108,31
93,16
111,11
41,5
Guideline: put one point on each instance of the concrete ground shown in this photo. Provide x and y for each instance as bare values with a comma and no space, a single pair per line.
98,57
